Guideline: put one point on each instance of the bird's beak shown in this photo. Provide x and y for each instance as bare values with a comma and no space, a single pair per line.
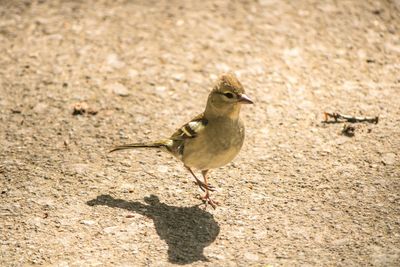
244,99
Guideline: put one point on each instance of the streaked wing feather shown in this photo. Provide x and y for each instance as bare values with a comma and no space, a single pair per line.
190,129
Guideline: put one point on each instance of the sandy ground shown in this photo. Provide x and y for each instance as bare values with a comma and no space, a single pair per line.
299,194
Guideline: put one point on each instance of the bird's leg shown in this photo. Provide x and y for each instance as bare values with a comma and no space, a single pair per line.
202,185
206,198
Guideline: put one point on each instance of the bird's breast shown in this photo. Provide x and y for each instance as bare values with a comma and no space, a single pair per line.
219,145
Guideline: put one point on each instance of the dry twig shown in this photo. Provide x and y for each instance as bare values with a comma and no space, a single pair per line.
340,117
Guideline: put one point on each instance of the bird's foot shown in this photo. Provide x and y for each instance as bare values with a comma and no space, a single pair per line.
205,187
207,200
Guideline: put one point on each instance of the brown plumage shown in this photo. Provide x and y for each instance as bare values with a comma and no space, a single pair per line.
211,139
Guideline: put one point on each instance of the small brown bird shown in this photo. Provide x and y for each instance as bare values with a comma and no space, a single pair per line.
213,138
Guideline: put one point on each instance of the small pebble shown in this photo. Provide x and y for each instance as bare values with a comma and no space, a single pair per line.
88,222
389,158
118,89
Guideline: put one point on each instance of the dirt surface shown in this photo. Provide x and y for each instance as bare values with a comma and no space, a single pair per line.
299,194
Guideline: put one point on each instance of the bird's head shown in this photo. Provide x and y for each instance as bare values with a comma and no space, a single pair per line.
227,96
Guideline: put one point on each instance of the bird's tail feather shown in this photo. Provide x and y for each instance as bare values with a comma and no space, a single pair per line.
156,144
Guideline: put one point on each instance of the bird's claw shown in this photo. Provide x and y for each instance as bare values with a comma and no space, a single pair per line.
207,200
205,187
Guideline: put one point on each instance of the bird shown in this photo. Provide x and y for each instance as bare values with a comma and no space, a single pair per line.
210,140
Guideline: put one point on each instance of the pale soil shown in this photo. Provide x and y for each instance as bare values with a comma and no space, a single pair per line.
299,194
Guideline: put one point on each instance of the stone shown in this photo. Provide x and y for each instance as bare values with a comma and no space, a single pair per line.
389,158
251,256
118,89
114,62
88,222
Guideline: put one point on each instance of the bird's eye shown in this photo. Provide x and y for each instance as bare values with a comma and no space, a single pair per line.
229,95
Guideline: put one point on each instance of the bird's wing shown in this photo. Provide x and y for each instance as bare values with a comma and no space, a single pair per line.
190,129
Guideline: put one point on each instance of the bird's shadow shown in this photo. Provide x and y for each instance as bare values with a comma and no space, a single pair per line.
186,230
